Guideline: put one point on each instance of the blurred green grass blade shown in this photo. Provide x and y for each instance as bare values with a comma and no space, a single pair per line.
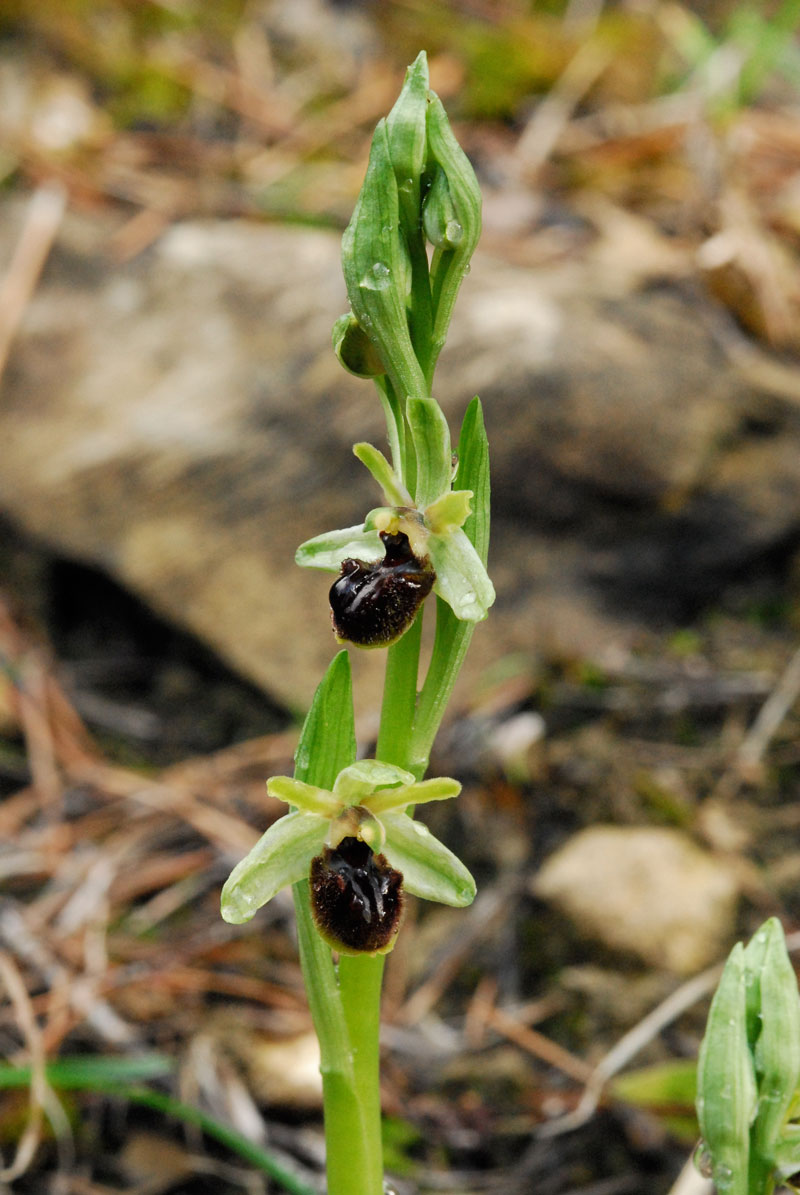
75,1074
114,1076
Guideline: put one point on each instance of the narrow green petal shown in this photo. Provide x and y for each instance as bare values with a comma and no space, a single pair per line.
307,797
451,510
374,460
389,800
280,857
428,868
327,551
461,579
364,776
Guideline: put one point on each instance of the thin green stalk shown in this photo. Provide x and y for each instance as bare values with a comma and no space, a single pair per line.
400,698
360,978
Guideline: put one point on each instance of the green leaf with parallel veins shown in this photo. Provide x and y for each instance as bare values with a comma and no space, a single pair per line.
428,868
328,738
281,856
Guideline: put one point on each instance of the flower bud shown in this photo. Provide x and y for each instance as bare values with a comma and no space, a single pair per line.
376,269
455,201
439,217
356,898
355,350
405,126
373,604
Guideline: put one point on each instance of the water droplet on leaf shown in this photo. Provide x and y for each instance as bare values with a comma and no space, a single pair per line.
377,277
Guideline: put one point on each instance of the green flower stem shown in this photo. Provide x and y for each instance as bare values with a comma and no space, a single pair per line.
400,699
360,978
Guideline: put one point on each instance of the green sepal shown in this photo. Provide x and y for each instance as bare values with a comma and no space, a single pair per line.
281,856
461,579
363,777
407,136
373,459
726,1082
356,352
390,800
376,269
428,868
450,264
327,551
431,437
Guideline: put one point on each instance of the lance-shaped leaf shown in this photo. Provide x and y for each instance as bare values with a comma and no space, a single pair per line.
280,857
327,551
428,868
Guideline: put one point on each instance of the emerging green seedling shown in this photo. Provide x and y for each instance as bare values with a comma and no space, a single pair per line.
748,1080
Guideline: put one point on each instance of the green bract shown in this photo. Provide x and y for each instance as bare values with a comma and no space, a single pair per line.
368,800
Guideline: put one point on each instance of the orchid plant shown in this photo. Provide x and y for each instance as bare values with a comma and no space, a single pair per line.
350,845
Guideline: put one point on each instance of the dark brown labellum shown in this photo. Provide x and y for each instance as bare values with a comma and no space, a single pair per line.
356,898
372,605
